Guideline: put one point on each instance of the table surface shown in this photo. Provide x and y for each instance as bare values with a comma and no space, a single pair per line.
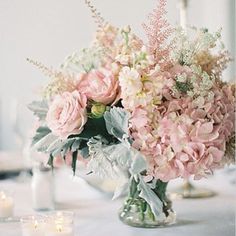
96,214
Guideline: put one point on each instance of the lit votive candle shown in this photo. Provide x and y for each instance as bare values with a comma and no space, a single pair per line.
6,205
60,224
33,226
59,230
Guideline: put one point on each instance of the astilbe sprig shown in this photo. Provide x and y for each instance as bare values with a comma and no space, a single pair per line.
60,81
158,31
99,20
105,31
213,63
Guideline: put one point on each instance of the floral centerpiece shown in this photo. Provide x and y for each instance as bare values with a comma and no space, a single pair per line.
151,111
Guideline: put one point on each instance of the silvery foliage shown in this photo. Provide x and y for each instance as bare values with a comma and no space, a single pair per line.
56,146
114,160
109,160
151,198
117,122
39,108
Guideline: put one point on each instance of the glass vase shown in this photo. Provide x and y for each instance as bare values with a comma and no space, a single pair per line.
137,212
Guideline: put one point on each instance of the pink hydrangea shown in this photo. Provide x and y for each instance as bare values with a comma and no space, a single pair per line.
178,137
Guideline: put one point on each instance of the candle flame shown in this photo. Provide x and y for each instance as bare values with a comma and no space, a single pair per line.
59,228
35,224
3,195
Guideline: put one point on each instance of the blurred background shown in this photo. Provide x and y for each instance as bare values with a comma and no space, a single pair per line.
49,30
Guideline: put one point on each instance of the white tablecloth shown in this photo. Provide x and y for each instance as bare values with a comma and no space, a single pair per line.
96,214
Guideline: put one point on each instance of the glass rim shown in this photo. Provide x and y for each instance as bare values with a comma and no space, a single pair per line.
6,192
60,217
60,213
31,218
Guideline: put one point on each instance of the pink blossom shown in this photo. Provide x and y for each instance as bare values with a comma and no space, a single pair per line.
182,139
99,86
139,118
67,114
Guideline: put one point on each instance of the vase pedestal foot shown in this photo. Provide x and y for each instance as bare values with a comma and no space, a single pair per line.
190,191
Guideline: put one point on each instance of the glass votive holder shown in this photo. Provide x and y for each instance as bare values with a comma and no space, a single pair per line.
33,225
6,204
60,223
42,186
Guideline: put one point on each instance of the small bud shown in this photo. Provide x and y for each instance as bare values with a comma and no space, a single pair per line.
126,29
98,110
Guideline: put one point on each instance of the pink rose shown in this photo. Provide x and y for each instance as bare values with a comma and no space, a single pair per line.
99,86
67,114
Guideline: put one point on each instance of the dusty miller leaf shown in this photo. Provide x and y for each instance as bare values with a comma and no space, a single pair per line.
41,132
151,198
43,144
117,121
39,108
138,164
121,190
100,162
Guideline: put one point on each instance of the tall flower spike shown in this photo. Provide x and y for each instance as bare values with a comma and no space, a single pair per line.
50,72
99,20
158,31
46,71
60,81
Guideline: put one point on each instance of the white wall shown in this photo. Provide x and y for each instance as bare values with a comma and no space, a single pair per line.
48,30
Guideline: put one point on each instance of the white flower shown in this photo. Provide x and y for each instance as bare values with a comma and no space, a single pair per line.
123,59
126,29
199,102
130,81
182,78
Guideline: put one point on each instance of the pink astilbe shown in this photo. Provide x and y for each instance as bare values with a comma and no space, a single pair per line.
158,31
99,20
60,81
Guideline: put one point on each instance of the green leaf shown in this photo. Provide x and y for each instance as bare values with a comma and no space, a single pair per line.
76,145
55,145
100,162
40,133
43,144
74,160
121,190
39,108
133,188
139,164
120,154
94,127
112,160
62,147
50,160
151,198
183,87
117,122
84,152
